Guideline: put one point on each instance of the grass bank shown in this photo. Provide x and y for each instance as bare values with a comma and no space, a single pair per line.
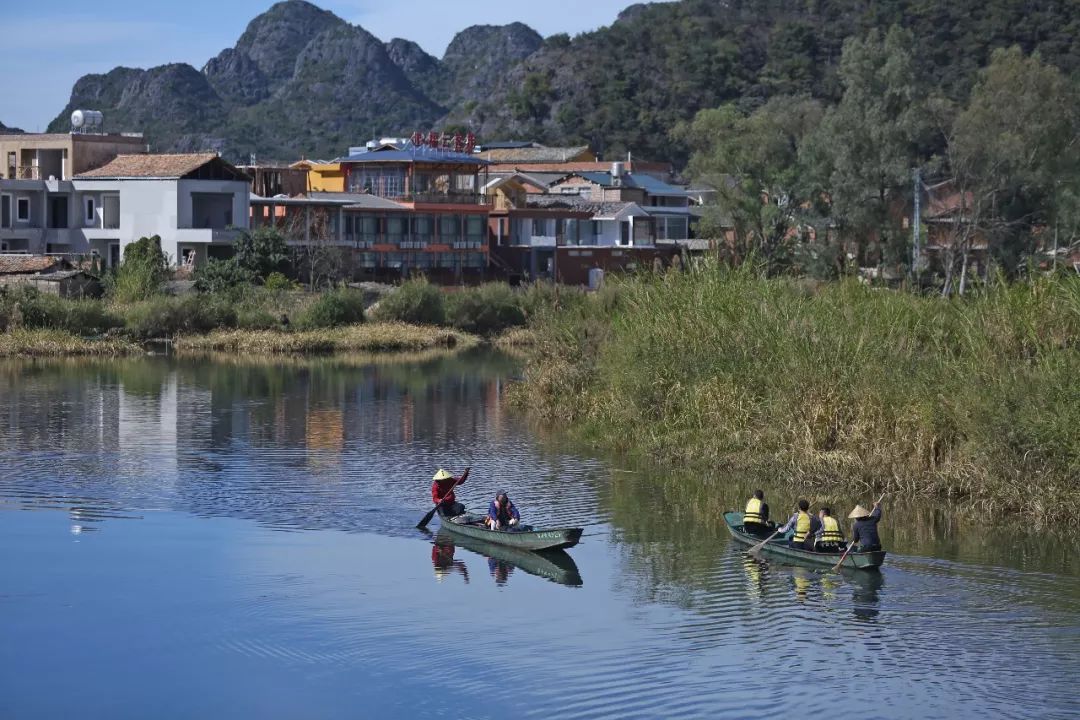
373,337
58,343
833,388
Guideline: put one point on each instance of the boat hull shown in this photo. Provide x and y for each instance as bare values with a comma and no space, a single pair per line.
525,539
554,565
779,549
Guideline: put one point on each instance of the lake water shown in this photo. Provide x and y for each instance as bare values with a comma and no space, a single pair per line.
235,538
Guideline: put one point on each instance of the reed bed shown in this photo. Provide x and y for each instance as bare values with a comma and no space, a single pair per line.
367,338
57,343
838,388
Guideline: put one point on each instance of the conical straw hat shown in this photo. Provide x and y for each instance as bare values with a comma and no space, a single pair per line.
858,512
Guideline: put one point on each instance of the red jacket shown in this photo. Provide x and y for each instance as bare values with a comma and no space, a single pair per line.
444,489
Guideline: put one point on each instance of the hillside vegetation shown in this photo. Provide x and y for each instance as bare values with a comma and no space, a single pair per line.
302,81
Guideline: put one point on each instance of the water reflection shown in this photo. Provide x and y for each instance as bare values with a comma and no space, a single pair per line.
554,565
344,449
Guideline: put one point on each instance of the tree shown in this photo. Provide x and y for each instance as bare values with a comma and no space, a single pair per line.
143,271
863,152
1013,150
317,256
262,252
752,161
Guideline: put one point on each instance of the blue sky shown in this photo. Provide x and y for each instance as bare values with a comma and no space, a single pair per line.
46,46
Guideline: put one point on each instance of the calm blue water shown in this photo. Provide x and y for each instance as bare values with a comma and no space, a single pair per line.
192,539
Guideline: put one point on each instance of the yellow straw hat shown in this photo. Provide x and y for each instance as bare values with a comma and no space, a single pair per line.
858,512
442,475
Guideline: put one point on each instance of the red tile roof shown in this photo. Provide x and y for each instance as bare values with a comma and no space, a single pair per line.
29,264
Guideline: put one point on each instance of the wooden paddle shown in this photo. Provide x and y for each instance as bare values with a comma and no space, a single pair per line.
431,513
852,544
757,548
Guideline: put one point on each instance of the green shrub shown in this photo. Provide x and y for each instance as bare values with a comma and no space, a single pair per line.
278,282
222,277
333,308
417,302
256,319
487,309
166,316
28,308
142,273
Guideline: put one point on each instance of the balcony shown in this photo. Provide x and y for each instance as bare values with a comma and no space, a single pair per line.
436,198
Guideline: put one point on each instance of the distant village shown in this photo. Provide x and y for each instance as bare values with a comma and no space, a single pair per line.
445,206
442,205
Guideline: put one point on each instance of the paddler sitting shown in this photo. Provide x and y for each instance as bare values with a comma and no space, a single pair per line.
442,492
805,526
830,538
756,515
502,513
864,535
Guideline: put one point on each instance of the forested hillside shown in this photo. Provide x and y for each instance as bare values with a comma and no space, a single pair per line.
302,81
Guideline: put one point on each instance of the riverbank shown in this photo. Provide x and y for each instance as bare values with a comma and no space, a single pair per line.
837,388
61,343
366,338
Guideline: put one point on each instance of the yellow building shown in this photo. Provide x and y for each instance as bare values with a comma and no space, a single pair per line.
322,177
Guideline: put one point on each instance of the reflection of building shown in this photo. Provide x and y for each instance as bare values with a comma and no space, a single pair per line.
325,430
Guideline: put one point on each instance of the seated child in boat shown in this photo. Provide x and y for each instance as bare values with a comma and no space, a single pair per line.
502,513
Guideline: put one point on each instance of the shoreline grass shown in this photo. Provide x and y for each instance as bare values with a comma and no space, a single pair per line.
840,388
366,338
61,343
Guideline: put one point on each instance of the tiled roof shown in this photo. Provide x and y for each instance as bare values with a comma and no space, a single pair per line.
643,182
532,155
565,168
150,166
29,264
579,204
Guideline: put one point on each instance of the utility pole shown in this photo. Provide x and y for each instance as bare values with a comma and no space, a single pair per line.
915,226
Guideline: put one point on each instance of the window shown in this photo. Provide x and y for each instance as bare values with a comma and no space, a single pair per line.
22,211
89,209
449,228
539,227
5,211
395,229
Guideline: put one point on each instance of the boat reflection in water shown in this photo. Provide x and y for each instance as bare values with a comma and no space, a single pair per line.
813,583
554,565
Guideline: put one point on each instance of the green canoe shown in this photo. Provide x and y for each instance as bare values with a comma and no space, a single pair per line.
778,548
554,565
523,538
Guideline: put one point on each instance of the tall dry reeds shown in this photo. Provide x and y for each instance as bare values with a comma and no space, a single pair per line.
840,385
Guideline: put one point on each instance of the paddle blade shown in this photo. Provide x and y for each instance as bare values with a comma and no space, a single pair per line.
427,518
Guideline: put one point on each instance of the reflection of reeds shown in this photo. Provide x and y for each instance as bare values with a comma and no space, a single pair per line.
841,388
375,337
57,343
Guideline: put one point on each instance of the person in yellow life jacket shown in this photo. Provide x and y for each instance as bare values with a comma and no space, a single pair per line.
830,538
756,515
805,527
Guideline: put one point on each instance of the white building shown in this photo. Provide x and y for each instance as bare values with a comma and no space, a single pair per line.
195,203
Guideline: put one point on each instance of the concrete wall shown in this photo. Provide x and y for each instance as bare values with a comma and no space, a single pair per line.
84,152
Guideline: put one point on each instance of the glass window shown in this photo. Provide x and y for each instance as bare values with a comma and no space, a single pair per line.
475,226
22,211
423,228
89,209
676,229
449,228
539,227
395,229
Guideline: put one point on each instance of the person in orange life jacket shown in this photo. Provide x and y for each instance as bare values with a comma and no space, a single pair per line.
830,538
756,515
502,513
442,492
805,526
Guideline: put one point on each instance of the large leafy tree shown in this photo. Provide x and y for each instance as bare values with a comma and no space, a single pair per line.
752,161
1013,151
863,153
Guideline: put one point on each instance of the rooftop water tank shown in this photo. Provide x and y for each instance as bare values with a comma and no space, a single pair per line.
87,119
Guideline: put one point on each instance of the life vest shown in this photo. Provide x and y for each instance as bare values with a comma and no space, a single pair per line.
830,532
802,527
752,514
